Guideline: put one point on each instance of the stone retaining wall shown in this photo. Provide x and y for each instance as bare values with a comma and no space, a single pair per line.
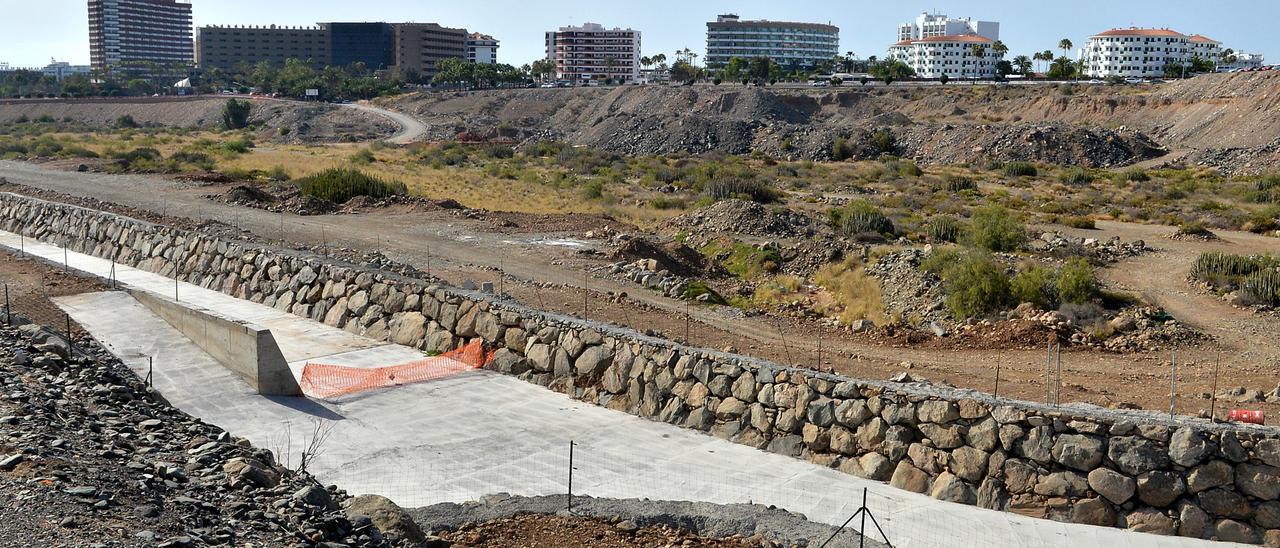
1075,463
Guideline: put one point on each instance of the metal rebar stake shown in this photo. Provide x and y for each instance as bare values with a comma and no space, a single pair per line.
570,476
1173,380
1213,396
996,392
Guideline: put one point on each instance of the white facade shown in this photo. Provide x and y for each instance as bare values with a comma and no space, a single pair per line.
787,43
1243,61
591,53
1144,53
956,56
929,25
62,69
482,49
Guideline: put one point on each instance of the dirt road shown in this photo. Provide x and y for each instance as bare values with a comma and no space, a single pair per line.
411,130
546,271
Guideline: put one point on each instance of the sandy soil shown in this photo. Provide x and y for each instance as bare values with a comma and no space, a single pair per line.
545,270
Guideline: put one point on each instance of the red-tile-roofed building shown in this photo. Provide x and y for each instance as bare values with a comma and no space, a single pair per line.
1144,52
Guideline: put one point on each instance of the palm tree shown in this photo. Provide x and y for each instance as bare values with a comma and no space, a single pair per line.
999,48
1065,45
1024,64
979,51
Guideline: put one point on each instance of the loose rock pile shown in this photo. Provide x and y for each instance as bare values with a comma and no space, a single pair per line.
1104,251
907,292
82,439
646,272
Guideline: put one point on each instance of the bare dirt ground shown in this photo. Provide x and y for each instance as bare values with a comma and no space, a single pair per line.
29,285
572,531
545,270
281,121
1227,120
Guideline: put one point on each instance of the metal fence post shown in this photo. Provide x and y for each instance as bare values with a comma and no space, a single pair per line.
1213,396
996,393
1173,380
570,476
8,311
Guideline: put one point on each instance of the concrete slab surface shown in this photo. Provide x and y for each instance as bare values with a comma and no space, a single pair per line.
463,437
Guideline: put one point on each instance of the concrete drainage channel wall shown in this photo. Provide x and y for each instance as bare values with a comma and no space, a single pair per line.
1076,463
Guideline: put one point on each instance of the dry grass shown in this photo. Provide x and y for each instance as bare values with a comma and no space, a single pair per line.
848,293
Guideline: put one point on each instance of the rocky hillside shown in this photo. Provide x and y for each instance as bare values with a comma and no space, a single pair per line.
1227,117
89,453
300,122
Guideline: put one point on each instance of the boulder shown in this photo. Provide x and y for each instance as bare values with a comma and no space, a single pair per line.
1192,521
1135,455
1209,475
1188,447
944,437
1233,531
937,411
593,361
876,467
1062,484
1224,503
389,518
1159,488
1150,520
1078,451
1116,487
969,463
984,435
1094,511
1268,451
909,478
1258,480
950,488
1038,444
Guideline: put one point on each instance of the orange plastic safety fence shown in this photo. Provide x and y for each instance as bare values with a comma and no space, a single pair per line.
328,381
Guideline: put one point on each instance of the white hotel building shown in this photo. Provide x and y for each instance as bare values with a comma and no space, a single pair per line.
935,45
593,53
1144,53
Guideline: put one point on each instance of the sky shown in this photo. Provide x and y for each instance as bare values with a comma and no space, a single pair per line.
33,32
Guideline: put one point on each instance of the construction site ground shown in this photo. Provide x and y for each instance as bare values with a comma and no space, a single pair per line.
464,437
546,270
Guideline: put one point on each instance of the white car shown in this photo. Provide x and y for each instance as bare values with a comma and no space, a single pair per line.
821,84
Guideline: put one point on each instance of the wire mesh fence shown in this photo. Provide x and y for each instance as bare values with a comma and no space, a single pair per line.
424,476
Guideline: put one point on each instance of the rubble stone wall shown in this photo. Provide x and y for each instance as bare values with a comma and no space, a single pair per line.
1075,463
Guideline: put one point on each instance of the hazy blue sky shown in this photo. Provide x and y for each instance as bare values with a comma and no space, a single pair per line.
33,31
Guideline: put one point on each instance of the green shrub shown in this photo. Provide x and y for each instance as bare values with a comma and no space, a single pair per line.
883,142
1217,263
128,158
1020,169
235,114
501,152
1075,176
1076,284
593,190
126,121
698,288
198,159
338,185
663,202
958,183
1265,190
841,150
239,145
744,260
994,228
363,156
747,189
861,217
1036,285
1194,228
909,169
1137,175
1262,287
944,229
976,286
278,174
1086,223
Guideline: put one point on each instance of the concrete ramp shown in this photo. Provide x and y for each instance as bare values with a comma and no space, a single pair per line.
246,349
